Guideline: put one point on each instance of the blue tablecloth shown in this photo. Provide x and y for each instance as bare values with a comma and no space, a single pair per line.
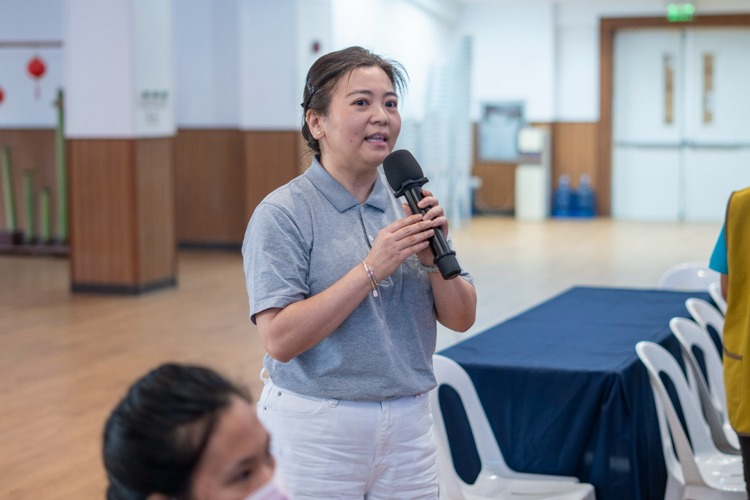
565,393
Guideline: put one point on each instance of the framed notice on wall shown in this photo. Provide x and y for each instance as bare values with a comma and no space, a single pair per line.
498,131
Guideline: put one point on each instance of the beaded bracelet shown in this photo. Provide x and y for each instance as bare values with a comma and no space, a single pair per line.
371,274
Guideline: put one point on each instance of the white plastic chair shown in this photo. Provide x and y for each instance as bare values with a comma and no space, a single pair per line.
496,480
702,472
706,315
690,276
710,392
715,290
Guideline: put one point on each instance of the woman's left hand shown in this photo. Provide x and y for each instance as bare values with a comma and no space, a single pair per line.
437,215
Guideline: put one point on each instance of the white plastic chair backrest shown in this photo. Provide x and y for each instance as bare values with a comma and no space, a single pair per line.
448,372
690,335
673,465
659,360
715,290
706,315
688,276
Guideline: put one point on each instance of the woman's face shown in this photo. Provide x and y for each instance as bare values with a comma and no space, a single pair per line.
362,123
237,459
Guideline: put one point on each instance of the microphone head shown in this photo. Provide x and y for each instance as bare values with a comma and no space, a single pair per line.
400,168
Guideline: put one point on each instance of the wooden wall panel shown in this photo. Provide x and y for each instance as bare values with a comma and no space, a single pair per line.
574,151
155,209
102,212
271,160
32,149
209,186
497,192
122,214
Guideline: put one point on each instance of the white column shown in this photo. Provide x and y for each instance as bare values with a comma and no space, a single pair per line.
269,97
119,68
207,63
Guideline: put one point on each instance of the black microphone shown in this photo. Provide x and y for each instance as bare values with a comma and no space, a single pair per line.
406,178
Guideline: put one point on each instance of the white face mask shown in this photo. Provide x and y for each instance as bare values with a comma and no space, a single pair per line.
274,489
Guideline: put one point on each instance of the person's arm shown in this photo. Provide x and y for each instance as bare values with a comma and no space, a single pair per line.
719,262
456,299
455,302
288,332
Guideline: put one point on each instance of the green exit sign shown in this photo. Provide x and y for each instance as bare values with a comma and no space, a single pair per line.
680,13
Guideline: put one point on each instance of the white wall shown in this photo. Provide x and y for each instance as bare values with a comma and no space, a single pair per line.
546,53
313,24
153,53
207,63
99,90
269,97
114,52
24,20
577,48
514,57
577,53
29,20
418,34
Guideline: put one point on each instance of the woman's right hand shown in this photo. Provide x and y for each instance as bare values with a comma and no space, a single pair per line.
396,242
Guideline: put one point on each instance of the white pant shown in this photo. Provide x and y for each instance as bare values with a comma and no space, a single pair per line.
330,449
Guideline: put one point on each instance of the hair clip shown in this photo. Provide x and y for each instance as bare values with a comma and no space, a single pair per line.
312,93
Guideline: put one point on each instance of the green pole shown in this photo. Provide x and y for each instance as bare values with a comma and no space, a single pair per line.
7,176
61,171
44,216
28,198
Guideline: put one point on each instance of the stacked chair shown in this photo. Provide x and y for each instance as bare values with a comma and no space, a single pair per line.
496,480
715,290
706,315
688,276
701,471
712,467
708,389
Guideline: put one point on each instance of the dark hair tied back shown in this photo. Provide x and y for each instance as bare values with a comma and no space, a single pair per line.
156,435
326,72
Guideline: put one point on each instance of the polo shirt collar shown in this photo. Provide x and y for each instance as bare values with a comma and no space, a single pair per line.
338,195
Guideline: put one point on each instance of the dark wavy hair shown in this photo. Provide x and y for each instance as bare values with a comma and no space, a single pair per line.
156,435
326,72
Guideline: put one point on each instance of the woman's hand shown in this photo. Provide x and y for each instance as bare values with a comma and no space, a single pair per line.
436,216
398,241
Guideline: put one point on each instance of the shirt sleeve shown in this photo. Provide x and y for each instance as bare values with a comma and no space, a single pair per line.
276,260
719,258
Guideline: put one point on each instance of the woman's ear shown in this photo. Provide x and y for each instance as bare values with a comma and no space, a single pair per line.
315,123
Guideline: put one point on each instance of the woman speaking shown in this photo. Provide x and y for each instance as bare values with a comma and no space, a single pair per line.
342,289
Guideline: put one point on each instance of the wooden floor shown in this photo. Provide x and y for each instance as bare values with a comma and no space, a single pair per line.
65,360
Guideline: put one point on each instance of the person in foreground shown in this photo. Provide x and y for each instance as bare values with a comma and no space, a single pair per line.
731,258
186,433
342,287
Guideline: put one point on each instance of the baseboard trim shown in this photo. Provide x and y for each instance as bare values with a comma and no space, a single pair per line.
100,288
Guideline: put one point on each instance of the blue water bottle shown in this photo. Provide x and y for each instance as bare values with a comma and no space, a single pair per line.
561,206
585,205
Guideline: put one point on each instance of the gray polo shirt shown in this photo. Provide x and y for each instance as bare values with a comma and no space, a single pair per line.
303,238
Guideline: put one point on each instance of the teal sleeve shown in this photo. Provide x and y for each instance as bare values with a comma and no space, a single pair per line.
719,258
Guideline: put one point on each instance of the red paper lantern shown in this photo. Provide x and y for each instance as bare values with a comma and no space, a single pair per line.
2,95
36,68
